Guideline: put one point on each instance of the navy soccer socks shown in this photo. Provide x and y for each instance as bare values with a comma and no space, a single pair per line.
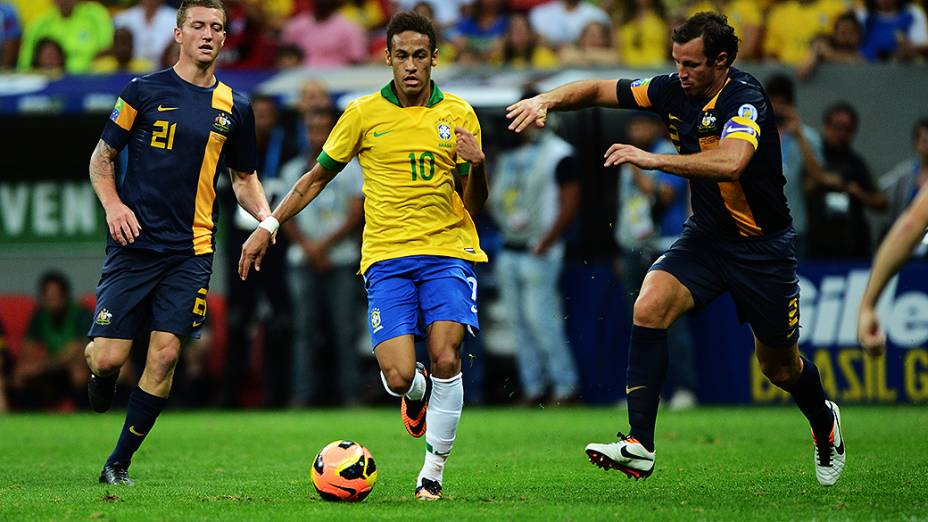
647,369
809,395
141,413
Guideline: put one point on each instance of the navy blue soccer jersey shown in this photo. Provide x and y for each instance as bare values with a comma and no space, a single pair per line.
753,206
180,137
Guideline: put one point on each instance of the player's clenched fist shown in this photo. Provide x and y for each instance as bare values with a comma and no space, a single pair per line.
528,112
869,333
468,148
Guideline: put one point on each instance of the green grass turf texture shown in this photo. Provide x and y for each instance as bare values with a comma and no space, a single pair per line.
508,464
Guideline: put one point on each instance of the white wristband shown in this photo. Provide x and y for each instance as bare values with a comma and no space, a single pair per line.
270,224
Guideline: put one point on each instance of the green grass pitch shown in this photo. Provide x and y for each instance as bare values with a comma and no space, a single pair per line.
508,464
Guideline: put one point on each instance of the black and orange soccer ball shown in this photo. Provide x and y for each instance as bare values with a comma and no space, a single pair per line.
344,471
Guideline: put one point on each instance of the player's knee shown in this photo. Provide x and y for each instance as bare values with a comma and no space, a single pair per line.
104,360
780,374
652,311
397,380
446,364
164,358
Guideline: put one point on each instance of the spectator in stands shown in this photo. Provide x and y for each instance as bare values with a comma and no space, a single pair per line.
152,26
446,50
481,32
802,154
244,297
51,369
745,16
521,47
314,97
29,10
170,56
447,12
275,12
903,182
893,30
535,195
288,57
327,38
6,368
838,228
10,33
250,43
642,34
322,271
369,14
560,22
82,28
49,57
120,58
595,47
792,26
842,46
653,206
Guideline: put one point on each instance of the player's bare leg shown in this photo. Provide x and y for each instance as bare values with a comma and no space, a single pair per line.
786,368
663,298
145,404
403,377
446,403
104,358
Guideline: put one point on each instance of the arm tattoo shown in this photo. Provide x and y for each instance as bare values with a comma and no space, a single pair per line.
102,162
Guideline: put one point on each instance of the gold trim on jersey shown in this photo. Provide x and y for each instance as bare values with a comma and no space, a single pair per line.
206,191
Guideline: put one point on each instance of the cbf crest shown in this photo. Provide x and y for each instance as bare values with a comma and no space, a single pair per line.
444,131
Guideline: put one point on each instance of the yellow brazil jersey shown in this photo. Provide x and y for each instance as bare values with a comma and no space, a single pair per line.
409,163
740,13
791,27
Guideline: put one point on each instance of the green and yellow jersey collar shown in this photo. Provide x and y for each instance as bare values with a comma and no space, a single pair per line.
388,93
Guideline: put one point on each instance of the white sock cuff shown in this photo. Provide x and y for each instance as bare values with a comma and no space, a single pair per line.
449,380
417,387
383,379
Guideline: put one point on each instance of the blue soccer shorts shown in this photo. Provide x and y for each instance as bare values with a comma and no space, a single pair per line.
142,291
407,294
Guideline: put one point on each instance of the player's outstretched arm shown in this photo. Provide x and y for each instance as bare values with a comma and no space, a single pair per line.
476,186
120,219
303,191
250,193
724,163
572,96
894,251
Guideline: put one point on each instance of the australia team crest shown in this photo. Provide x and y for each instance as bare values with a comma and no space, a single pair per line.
222,123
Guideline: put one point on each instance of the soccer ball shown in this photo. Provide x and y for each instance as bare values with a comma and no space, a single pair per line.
344,471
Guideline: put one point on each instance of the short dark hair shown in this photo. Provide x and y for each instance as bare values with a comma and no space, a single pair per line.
920,124
782,86
212,4
409,21
54,277
717,36
841,106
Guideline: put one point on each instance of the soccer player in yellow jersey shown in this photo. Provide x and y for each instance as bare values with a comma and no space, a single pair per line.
419,245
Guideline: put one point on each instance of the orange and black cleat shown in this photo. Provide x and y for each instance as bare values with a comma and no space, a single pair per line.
413,412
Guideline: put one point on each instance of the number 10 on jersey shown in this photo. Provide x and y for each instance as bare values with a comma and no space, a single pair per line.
421,173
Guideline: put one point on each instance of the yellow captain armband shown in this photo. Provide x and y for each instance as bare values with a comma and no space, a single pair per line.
742,128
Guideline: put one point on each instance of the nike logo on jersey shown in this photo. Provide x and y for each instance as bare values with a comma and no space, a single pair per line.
137,434
162,108
379,134
629,455
633,388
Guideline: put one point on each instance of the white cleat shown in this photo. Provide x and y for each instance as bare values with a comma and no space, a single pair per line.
627,456
829,455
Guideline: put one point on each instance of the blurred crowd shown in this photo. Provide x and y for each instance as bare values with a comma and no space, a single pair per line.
85,36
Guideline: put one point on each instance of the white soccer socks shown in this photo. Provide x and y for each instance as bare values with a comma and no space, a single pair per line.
416,389
442,418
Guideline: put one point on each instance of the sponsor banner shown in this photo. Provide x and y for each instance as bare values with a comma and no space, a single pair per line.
49,213
830,297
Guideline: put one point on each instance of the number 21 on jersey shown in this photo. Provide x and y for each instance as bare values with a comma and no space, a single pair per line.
162,136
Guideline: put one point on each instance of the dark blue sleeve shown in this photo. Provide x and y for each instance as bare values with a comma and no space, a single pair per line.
241,152
122,119
644,94
566,171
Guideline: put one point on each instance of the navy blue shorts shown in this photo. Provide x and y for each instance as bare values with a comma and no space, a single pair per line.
760,273
407,294
142,291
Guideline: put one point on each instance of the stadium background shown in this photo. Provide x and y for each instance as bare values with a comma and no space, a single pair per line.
50,218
